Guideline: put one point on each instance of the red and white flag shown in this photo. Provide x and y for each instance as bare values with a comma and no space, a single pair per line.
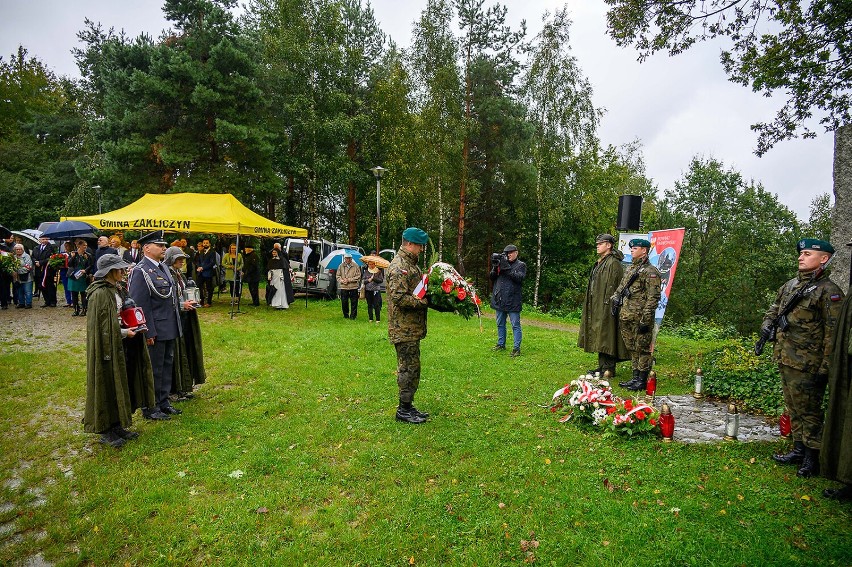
420,290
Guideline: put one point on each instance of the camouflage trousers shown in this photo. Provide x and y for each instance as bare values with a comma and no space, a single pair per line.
638,344
803,395
407,370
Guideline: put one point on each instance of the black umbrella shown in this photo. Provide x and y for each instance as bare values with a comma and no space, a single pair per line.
5,232
68,229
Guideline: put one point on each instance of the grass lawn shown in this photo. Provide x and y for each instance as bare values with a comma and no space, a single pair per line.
290,455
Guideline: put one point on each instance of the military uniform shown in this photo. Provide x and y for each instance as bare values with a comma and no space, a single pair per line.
406,327
636,318
802,353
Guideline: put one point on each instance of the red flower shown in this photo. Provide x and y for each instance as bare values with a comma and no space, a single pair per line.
476,299
447,286
652,421
462,293
628,404
610,410
640,414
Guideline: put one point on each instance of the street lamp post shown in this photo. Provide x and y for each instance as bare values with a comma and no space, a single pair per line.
98,189
378,171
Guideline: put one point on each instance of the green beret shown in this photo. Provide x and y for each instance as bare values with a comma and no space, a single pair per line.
415,235
639,242
814,244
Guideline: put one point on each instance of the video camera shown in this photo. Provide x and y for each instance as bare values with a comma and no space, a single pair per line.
496,257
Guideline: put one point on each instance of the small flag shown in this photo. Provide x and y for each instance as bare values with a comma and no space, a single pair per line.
420,290
306,252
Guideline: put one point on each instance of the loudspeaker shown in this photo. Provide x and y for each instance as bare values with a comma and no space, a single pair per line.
629,212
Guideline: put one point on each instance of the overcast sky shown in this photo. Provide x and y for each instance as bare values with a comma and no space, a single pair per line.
677,107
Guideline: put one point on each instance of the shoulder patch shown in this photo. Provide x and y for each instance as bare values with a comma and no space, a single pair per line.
405,272
834,297
652,275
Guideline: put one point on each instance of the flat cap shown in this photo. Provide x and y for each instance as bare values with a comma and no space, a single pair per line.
605,238
172,254
510,248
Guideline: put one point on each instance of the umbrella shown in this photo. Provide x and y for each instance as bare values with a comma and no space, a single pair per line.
333,260
5,232
69,229
379,261
30,240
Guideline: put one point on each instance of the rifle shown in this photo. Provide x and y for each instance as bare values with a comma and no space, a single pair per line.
768,334
617,299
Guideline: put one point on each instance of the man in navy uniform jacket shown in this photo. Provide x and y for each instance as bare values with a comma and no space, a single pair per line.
152,288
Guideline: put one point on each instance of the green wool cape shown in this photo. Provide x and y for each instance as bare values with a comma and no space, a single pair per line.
598,328
836,453
189,355
115,388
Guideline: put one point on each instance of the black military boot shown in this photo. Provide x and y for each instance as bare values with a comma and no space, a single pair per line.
843,494
419,413
810,464
404,413
112,439
632,380
794,457
639,383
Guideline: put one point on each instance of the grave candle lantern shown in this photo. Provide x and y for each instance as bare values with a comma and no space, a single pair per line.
732,423
651,385
784,425
667,423
698,390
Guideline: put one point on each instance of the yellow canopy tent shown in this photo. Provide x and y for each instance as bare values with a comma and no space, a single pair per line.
190,212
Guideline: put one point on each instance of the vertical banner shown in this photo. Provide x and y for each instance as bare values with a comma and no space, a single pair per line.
664,254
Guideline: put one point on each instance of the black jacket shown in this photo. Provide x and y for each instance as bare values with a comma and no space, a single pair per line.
507,278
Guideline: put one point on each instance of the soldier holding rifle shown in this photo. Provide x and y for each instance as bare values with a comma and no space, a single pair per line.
802,321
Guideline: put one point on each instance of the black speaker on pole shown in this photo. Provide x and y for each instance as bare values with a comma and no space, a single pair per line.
629,212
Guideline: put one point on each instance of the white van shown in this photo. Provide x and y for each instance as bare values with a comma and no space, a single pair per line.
319,281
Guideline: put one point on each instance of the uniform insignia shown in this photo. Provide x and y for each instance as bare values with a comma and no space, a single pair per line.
835,297
652,276
405,272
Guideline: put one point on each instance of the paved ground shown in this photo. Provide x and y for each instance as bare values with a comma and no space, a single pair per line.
703,421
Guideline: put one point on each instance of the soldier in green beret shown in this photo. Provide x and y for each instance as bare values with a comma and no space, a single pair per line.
640,292
810,303
407,320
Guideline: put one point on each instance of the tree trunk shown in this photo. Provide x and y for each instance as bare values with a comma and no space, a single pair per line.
841,219
353,233
440,221
538,200
465,157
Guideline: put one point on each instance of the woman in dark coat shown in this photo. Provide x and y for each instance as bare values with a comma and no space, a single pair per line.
80,265
188,370
119,378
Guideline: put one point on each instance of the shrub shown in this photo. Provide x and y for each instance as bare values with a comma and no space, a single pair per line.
700,328
734,371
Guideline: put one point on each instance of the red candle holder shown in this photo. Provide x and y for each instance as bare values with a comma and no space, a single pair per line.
132,316
784,425
651,384
667,423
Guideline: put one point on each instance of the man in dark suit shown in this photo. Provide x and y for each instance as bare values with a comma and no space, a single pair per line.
45,275
206,267
133,254
152,288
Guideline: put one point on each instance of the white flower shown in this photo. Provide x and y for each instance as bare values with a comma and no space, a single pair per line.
236,474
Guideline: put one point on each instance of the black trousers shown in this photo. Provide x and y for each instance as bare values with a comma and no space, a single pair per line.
374,304
5,286
206,285
253,290
162,363
49,289
349,300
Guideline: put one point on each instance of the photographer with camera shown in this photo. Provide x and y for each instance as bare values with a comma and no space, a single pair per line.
507,273
803,319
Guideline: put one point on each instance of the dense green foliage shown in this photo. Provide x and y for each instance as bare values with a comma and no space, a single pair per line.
733,371
301,404
488,137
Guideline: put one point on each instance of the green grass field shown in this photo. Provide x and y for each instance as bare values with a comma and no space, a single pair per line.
290,455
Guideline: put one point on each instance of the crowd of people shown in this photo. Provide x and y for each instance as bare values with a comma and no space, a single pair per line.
132,366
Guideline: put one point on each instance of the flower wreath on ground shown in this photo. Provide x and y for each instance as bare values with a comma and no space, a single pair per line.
589,399
447,290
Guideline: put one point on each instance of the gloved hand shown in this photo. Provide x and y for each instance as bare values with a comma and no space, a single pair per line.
644,329
504,263
766,331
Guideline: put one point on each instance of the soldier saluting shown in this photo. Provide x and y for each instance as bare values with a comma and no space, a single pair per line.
803,319
639,294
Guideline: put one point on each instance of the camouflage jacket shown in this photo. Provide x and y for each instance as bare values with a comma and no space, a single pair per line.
640,302
406,313
807,343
